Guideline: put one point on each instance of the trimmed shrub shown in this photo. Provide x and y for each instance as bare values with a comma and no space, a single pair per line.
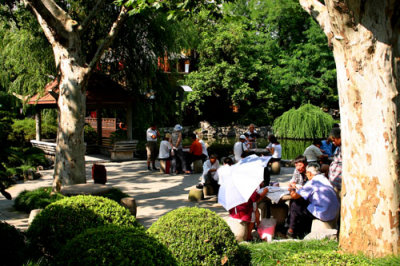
35,199
307,122
196,236
68,217
12,245
111,245
90,135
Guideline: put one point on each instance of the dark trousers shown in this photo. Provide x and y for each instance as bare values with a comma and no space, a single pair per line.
211,182
178,163
300,218
191,158
267,176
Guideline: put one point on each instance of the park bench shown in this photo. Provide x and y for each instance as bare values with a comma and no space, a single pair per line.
120,150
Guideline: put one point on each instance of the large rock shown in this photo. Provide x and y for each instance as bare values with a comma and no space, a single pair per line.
238,228
196,194
85,189
130,204
330,234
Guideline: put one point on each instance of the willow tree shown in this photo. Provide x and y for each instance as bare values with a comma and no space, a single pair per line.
74,65
364,36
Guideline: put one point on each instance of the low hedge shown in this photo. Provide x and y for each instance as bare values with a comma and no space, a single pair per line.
111,245
12,245
68,217
196,236
35,199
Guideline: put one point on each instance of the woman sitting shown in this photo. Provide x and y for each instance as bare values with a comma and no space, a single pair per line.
275,148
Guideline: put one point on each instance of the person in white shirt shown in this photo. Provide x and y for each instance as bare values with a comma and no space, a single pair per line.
203,145
210,176
165,148
240,148
151,147
275,148
313,152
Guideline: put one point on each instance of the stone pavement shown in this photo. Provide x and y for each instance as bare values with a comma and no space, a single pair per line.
155,193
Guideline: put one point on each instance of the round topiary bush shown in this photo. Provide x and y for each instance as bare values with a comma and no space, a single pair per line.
66,218
196,236
111,245
12,245
35,199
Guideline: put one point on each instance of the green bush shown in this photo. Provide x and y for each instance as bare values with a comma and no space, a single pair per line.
35,199
307,122
25,130
115,194
12,245
196,236
68,217
111,245
90,135
222,150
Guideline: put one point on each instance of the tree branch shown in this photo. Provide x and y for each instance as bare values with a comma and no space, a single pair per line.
105,44
93,12
320,13
56,18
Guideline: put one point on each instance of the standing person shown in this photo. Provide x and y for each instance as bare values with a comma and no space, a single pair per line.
178,163
275,148
335,169
165,151
204,147
151,147
195,153
240,148
251,137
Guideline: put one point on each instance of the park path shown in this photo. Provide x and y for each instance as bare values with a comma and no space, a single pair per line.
155,193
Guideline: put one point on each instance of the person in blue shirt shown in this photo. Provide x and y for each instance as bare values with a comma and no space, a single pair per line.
315,200
327,147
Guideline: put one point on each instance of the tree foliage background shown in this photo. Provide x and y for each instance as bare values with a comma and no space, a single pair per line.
263,57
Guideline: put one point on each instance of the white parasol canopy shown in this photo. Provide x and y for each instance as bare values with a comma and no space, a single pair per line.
239,181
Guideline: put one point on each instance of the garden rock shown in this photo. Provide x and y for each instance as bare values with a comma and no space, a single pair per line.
196,194
238,228
330,234
33,214
85,189
130,204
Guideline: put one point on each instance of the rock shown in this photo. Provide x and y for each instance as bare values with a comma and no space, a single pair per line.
318,225
198,166
130,204
275,168
85,189
330,234
33,214
196,194
238,228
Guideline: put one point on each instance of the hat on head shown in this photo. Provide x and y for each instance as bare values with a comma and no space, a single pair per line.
242,137
178,127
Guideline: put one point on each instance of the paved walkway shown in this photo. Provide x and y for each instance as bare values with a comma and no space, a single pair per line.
155,193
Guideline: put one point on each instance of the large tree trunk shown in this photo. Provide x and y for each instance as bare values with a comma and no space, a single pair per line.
70,154
364,36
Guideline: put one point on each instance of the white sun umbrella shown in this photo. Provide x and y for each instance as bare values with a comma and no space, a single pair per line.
240,180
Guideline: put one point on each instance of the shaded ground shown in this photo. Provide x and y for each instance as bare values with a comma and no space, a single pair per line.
155,193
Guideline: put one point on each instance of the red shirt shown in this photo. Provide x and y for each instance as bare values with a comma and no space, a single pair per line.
196,148
244,210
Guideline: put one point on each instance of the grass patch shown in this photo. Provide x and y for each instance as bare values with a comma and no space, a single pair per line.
309,253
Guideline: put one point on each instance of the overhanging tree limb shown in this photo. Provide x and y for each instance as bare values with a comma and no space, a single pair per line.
109,38
320,13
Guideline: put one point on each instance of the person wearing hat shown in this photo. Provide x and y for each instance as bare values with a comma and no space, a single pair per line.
151,147
240,148
178,163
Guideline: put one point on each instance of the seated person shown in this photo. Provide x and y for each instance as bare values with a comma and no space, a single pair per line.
210,176
313,152
251,137
315,200
195,153
275,148
248,211
327,147
299,175
240,148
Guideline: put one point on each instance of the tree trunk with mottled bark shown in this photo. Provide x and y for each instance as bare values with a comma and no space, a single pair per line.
364,38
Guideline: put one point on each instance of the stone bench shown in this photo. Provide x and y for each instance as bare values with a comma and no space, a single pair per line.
123,150
196,194
85,189
318,225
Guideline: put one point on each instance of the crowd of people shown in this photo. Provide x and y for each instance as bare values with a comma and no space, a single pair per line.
315,187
